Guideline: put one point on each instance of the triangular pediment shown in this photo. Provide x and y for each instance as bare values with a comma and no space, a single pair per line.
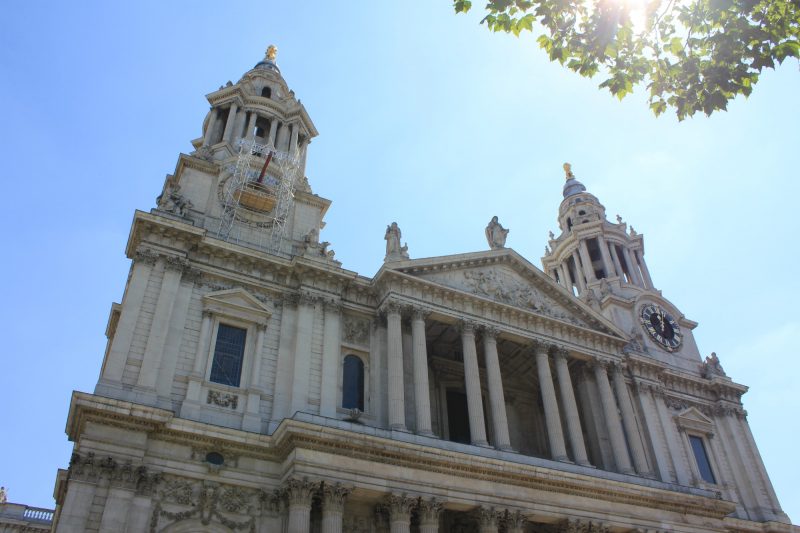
505,277
237,302
694,414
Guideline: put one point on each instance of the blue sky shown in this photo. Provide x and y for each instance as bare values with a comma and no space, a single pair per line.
425,118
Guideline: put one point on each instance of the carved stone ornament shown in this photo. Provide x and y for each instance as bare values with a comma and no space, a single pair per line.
88,467
223,399
400,507
583,526
394,250
356,330
488,517
206,502
515,521
299,491
334,496
712,367
172,201
496,234
429,511
146,256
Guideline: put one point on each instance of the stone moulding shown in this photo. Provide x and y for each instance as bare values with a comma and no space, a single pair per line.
312,442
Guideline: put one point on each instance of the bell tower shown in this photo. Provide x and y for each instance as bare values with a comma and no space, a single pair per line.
603,264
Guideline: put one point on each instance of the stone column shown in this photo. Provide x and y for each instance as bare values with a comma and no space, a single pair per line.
632,268
588,269
497,399
282,142
429,513
643,266
251,420
302,352
251,126
115,511
660,452
284,369
555,435
114,365
75,509
608,265
273,129
154,350
615,258
293,141
422,398
472,382
566,279
226,136
630,423
333,498
331,355
578,271
397,409
615,433
488,519
515,522
400,506
212,124
299,494
673,443
574,430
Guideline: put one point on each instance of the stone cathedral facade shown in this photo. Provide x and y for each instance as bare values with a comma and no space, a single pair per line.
252,384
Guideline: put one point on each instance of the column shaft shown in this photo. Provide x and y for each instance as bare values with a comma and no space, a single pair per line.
630,423
574,430
397,410
212,124
251,126
154,350
673,443
566,279
643,266
615,259
472,382
608,265
299,518
123,336
555,435
615,433
497,399
293,141
284,370
226,136
302,353
115,511
578,271
588,269
660,452
273,129
632,268
422,398
331,348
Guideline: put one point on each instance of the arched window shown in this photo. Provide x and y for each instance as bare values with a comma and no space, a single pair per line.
353,383
266,92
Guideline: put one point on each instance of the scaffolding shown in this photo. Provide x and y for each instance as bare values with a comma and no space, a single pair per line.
256,205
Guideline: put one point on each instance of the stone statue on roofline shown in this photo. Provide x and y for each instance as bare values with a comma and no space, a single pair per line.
394,250
496,234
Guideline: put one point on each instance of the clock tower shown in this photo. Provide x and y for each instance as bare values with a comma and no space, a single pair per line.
603,264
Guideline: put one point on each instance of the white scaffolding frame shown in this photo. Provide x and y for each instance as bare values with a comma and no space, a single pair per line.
263,230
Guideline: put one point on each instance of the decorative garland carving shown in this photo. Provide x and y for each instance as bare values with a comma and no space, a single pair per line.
223,399
207,501
88,467
356,330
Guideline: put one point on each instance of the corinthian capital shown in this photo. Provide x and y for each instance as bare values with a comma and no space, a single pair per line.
334,496
400,506
299,491
429,511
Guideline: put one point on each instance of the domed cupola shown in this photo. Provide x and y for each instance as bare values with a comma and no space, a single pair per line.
590,248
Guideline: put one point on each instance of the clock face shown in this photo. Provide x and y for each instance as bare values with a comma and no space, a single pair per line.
662,327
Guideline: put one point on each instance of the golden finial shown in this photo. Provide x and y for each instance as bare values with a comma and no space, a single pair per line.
568,171
272,52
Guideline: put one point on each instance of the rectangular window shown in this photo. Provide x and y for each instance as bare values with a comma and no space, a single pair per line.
700,455
226,368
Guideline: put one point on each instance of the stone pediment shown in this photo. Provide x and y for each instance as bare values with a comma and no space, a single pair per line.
238,303
505,277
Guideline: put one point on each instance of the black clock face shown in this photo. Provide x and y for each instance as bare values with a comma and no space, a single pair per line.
662,327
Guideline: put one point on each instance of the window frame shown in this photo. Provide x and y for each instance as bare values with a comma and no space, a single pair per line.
364,358
693,423
213,348
247,355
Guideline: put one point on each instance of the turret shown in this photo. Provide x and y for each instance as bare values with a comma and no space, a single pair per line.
590,248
